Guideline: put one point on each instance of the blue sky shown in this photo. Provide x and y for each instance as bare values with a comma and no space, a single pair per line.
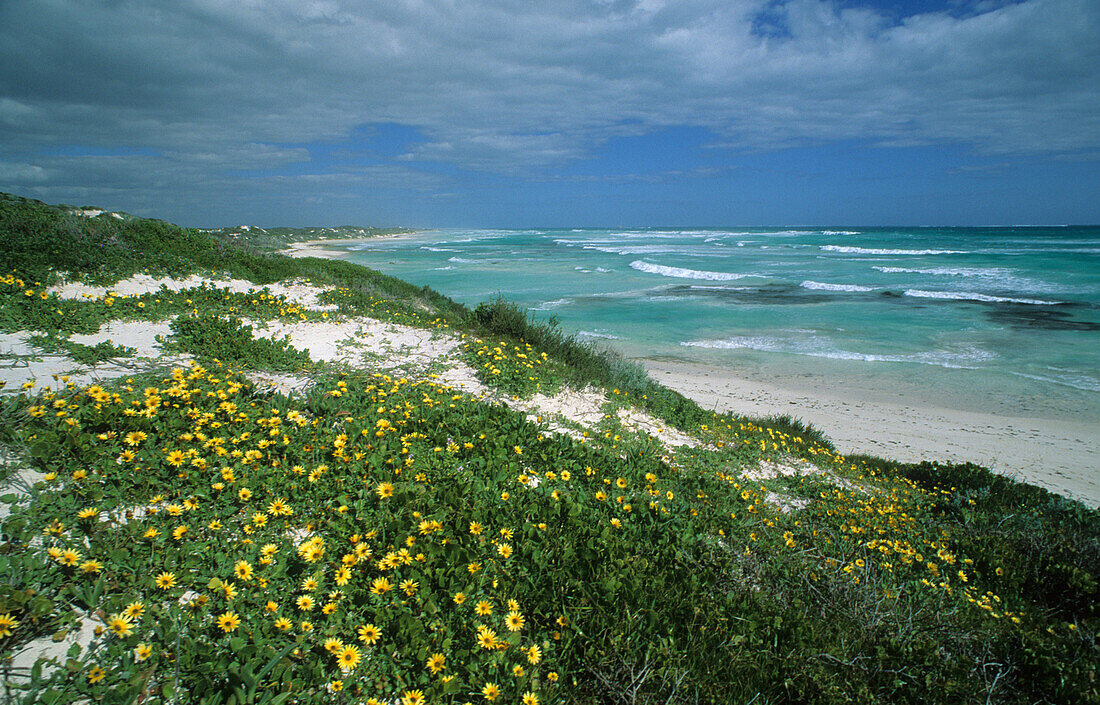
558,113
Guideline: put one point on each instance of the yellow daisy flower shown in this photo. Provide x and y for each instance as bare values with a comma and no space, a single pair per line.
487,639
436,663
228,621
514,621
120,624
69,557
348,658
413,697
8,625
243,570
369,634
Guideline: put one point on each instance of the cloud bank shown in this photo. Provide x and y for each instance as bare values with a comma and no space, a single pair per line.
142,94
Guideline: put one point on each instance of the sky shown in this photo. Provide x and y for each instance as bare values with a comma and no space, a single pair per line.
556,113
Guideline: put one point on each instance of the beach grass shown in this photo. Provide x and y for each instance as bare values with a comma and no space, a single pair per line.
397,539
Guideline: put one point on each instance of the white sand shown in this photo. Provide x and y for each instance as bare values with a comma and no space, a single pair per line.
298,292
1060,455
319,248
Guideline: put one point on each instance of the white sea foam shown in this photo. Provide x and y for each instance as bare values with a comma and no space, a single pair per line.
840,232
551,305
682,273
816,346
986,272
974,296
808,284
670,249
442,269
1000,278
720,233
635,249
875,251
439,249
1066,379
659,235
597,334
602,270
462,260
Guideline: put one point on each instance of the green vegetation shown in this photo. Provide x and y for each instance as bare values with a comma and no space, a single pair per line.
84,354
254,239
396,540
211,338
584,363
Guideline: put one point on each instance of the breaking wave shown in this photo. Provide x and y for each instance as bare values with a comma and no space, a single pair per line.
682,273
974,296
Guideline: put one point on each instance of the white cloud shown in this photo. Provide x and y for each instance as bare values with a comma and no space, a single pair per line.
511,85
16,172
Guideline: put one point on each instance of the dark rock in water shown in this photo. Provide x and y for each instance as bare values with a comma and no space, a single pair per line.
772,294
1044,317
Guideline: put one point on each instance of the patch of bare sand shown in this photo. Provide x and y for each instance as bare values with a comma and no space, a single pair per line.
22,363
298,292
140,335
669,437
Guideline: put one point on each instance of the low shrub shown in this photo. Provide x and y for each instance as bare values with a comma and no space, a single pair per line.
231,342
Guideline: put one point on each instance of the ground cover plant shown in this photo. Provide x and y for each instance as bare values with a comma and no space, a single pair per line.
282,531
210,337
387,539
255,239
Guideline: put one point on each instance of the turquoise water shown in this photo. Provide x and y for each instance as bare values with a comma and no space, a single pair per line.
994,319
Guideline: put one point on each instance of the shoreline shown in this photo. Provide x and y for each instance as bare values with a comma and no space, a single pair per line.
322,249
1060,455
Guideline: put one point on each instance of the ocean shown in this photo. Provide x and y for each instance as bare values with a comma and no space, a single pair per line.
1003,320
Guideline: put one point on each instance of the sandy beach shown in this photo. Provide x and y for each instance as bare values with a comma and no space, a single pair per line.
317,248
1060,455
324,249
